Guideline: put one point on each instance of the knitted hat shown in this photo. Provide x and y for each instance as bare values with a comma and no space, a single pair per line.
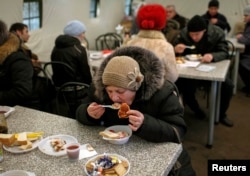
213,3
123,71
247,10
74,28
151,17
196,24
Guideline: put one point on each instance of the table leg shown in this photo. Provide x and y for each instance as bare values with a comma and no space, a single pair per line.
212,110
217,110
235,69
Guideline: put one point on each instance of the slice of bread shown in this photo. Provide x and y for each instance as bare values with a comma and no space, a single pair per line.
27,146
7,139
22,138
109,134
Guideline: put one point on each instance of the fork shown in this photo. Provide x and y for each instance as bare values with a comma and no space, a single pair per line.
191,47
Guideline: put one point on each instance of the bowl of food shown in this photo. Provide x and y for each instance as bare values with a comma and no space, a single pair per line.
107,163
117,134
194,57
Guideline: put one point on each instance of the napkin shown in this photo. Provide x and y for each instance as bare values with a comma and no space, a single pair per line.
86,150
205,68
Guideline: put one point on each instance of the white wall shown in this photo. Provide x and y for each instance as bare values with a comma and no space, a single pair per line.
58,12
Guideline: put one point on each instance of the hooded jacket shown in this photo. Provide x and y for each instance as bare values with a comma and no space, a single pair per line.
156,99
16,74
155,41
69,50
213,41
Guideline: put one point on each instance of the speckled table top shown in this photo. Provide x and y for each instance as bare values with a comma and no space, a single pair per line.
145,158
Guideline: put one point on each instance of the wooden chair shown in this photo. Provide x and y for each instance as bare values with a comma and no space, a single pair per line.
108,41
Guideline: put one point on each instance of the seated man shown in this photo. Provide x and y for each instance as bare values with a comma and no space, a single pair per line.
173,15
215,17
244,65
16,72
22,31
209,41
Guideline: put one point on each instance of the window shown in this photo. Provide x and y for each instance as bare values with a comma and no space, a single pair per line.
94,8
128,7
32,13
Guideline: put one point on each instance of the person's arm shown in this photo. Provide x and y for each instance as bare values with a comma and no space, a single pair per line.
245,37
170,115
21,79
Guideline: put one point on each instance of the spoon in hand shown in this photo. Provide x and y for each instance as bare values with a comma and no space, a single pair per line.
191,47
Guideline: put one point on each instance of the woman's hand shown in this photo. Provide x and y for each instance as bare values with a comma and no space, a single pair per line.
95,110
136,119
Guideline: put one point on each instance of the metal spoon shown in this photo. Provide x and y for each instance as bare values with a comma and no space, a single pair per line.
111,106
191,47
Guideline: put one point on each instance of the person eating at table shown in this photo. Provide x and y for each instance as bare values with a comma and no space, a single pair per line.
135,76
209,41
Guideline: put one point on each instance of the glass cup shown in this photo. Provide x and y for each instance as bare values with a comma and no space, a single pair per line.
73,151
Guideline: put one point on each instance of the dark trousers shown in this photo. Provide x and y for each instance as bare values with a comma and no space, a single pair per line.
244,71
187,88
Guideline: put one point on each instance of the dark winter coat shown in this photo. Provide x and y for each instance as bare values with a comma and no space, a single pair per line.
245,39
16,74
156,99
69,50
212,42
222,21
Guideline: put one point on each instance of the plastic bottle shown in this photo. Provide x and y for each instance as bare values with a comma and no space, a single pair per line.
3,124
1,152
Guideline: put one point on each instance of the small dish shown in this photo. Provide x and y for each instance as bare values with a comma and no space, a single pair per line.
119,128
45,144
6,110
96,55
194,57
16,149
121,161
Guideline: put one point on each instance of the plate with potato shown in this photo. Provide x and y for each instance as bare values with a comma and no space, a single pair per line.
21,142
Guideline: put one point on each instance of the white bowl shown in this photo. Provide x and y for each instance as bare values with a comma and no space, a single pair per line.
119,157
117,128
16,173
96,55
7,110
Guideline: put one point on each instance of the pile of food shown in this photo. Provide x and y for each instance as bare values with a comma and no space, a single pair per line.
107,165
180,60
58,144
23,140
111,134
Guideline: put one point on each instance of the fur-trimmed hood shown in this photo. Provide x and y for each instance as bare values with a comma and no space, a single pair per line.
10,46
150,66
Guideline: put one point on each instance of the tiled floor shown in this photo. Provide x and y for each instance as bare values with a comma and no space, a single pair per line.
229,143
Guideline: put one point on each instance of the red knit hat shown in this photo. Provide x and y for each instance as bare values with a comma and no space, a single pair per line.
151,17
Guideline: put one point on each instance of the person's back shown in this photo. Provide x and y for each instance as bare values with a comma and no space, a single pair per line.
151,19
16,72
68,49
215,17
244,64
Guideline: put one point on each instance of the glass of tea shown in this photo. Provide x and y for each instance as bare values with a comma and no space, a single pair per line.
73,151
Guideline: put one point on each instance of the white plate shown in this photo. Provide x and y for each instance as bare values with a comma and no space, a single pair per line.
8,110
16,149
46,147
17,173
109,154
96,55
194,57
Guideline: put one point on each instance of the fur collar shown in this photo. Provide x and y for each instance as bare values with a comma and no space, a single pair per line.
150,65
153,34
10,46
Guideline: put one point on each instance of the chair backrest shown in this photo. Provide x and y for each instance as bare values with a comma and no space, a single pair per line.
108,41
69,96
59,72
232,50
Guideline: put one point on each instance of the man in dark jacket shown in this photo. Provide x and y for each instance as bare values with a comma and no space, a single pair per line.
215,17
244,65
209,41
155,112
16,72
68,49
